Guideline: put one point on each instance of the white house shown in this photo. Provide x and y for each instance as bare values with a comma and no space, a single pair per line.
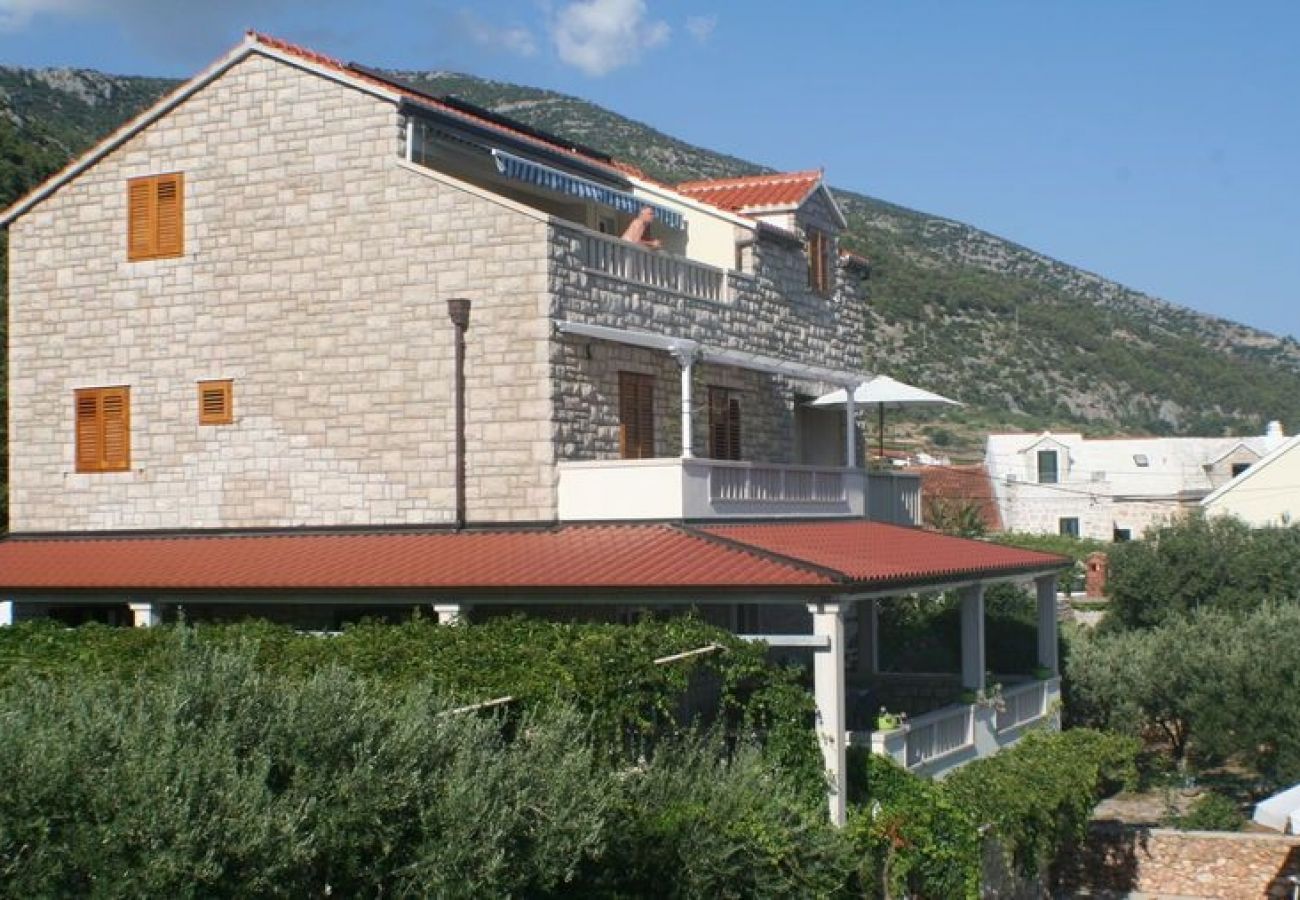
1111,488
1268,493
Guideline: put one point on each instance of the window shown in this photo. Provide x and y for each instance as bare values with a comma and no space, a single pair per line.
216,403
1120,535
1238,468
724,423
819,263
155,207
1068,527
103,429
1141,460
636,415
1047,472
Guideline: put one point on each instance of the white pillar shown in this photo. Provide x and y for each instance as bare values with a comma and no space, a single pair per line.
828,691
869,637
685,357
450,613
6,613
145,615
972,637
1047,642
850,429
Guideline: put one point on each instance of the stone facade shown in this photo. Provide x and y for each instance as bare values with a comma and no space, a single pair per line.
1158,862
769,311
315,272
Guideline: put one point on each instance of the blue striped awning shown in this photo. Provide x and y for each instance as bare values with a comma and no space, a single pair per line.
530,172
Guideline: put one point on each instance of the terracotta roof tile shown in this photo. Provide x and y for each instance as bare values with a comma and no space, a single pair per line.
581,557
755,192
875,554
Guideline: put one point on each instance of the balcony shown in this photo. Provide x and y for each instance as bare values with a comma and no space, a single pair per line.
676,488
945,739
611,257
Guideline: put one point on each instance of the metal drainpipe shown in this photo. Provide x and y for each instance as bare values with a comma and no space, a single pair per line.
458,311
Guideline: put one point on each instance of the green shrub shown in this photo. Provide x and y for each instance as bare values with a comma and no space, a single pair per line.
1210,812
1038,795
914,837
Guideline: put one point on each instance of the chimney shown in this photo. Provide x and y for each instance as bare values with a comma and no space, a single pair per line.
458,311
1273,435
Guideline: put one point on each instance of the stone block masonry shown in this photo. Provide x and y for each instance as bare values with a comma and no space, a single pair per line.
315,272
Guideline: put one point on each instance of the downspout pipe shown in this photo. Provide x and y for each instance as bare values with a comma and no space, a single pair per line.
458,312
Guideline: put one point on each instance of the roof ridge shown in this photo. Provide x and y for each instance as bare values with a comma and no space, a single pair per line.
792,562
763,178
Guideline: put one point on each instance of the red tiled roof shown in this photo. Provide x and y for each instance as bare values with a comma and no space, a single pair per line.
801,556
753,192
872,553
329,62
961,486
580,557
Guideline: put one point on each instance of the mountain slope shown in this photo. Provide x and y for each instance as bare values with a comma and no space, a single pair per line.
1025,340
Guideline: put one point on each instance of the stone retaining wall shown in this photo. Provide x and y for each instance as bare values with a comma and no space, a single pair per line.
1167,863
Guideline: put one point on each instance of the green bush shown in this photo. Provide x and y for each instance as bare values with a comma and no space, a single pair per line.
1210,812
1037,796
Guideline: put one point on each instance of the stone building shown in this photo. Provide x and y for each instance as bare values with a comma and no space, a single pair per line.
304,341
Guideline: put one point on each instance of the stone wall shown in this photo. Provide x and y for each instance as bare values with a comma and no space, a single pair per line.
770,311
1200,864
315,274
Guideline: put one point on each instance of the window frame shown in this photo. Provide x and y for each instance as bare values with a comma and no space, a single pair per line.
1072,530
91,451
1040,471
152,230
224,388
636,415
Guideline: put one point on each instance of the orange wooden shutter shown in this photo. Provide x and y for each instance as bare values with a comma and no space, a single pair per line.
89,453
216,406
170,215
636,415
140,208
103,429
818,274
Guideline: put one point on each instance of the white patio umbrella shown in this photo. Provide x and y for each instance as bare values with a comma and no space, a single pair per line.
884,392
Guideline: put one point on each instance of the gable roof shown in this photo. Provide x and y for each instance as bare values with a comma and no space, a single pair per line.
805,557
1234,483
755,194
325,66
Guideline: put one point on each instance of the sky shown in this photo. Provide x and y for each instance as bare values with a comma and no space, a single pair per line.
1154,142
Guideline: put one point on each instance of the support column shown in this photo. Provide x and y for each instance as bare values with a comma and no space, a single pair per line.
450,613
145,615
850,429
1047,640
828,691
972,637
6,613
869,637
685,357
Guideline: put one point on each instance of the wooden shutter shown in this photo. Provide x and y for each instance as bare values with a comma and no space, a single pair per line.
155,211
636,418
724,424
216,403
818,265
103,429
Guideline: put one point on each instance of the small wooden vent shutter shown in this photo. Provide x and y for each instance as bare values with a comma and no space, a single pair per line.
103,431
636,416
818,264
216,403
155,207
724,424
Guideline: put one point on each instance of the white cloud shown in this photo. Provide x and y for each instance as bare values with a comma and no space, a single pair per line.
701,27
513,39
599,36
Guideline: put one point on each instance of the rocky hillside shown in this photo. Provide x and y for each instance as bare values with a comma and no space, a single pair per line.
1025,340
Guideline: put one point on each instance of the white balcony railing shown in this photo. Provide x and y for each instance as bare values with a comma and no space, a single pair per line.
894,497
1021,704
674,488
938,733
626,261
